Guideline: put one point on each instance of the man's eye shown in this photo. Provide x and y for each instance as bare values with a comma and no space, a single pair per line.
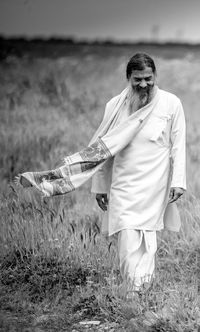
148,79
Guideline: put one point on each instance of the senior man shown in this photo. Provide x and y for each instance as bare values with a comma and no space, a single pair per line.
137,184
137,161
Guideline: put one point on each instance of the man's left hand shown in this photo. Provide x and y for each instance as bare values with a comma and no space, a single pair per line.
175,193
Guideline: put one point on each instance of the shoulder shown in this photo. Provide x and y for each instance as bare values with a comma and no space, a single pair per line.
110,105
121,96
171,103
171,98
113,101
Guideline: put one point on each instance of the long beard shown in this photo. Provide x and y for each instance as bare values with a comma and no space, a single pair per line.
138,98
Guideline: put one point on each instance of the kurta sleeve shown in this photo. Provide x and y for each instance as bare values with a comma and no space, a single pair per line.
101,181
178,153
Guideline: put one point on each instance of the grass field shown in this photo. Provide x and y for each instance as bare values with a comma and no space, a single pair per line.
56,268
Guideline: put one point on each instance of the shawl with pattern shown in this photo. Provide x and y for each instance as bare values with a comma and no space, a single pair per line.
106,143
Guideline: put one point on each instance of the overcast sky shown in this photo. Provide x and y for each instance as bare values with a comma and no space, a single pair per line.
118,19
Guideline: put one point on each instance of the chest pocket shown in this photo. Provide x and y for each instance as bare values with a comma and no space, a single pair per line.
157,129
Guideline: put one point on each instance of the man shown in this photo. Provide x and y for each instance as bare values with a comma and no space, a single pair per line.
136,185
137,161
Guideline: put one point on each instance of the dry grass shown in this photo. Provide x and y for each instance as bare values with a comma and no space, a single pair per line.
54,261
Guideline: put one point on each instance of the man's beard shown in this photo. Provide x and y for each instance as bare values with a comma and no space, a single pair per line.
139,97
144,94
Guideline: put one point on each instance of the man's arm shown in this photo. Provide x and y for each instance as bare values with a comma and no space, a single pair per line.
178,154
101,182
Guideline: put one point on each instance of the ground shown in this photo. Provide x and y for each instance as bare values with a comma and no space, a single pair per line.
58,273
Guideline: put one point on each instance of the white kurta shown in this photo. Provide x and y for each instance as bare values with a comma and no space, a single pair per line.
140,173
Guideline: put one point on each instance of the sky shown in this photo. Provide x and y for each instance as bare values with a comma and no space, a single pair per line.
123,20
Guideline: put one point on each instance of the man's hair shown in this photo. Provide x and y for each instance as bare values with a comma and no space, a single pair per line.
138,62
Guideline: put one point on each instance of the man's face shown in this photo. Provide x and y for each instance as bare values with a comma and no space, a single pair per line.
142,82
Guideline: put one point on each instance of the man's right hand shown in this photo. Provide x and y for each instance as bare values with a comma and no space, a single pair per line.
102,200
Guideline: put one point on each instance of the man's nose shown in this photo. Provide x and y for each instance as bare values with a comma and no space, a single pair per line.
143,84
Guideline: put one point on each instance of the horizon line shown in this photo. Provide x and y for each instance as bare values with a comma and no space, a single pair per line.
109,40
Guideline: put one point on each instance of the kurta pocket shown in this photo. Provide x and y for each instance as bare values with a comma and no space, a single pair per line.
158,130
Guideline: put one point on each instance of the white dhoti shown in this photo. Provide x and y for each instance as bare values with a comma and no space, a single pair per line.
137,249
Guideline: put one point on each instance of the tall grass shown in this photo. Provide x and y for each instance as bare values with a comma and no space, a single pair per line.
53,256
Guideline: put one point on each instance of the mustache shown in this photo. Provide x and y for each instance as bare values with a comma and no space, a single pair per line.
148,88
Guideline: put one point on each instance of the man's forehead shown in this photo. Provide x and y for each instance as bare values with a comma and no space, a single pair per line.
142,73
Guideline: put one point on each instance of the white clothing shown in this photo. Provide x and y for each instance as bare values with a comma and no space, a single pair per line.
139,177
136,256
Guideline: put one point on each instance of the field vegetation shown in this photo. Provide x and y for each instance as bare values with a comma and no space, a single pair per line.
57,271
